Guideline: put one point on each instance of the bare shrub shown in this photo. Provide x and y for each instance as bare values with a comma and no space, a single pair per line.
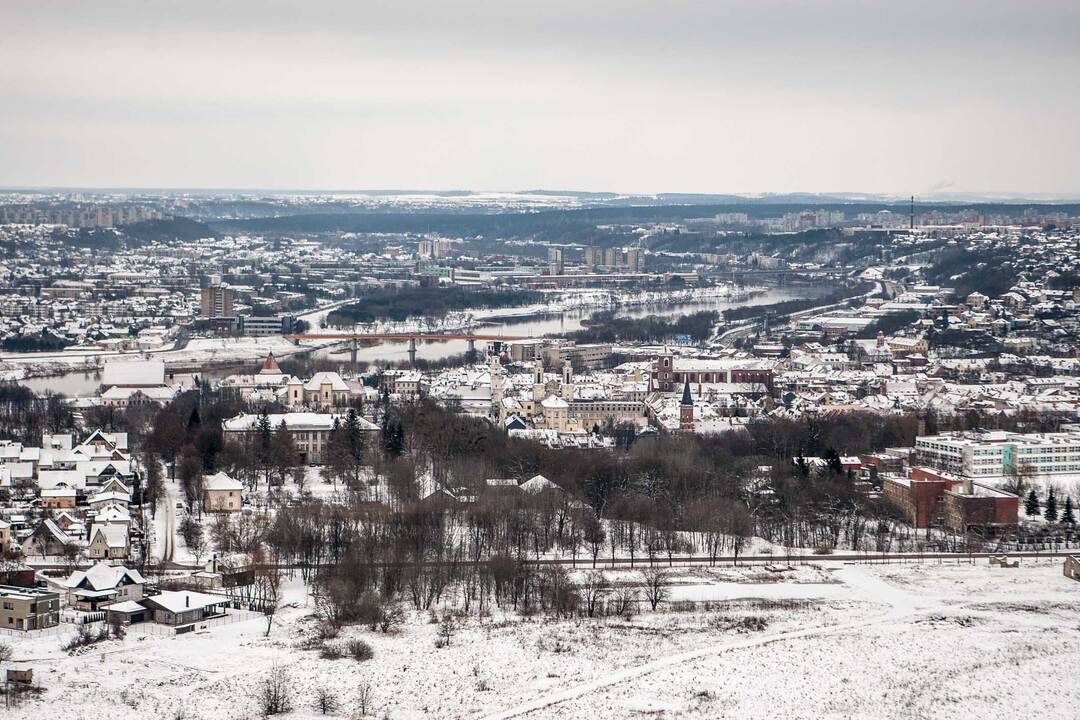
446,631
393,616
742,624
85,636
6,653
482,685
359,650
275,692
331,651
369,609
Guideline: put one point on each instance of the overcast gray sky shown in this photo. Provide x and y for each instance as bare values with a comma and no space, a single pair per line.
709,96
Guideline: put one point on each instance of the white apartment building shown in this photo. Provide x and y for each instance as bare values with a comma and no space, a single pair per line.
999,455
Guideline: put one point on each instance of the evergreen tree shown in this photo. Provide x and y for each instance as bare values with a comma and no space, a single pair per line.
284,455
263,444
1068,516
1050,508
355,435
804,467
1031,505
832,461
336,455
394,438
194,419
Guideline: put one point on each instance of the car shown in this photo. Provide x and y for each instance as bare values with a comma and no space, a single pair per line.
179,506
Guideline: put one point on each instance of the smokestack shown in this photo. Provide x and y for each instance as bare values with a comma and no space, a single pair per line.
912,212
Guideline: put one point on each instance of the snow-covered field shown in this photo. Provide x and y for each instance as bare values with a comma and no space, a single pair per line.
867,641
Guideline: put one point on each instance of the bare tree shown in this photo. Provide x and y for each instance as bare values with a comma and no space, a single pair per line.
267,587
299,474
326,701
593,535
365,697
655,582
71,555
594,589
624,601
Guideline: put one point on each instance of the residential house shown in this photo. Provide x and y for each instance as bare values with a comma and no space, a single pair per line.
221,493
102,585
28,608
58,498
47,539
176,608
108,541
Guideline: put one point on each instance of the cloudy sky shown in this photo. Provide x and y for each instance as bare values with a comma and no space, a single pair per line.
896,96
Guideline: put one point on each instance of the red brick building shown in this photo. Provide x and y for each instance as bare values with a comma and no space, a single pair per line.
669,371
918,494
930,498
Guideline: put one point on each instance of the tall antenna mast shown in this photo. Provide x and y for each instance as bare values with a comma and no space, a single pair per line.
912,212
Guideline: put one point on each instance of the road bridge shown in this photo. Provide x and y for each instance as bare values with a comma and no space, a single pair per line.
412,338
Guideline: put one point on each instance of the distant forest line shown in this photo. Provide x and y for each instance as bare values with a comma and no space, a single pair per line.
401,303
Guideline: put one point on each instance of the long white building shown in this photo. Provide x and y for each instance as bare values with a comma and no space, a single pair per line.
998,455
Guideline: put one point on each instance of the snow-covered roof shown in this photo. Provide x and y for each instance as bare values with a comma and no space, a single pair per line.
115,536
326,378
103,577
178,601
270,366
537,484
221,481
294,421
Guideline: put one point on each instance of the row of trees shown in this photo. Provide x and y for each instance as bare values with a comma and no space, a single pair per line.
1049,508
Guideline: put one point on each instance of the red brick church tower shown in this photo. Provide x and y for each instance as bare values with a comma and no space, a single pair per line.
686,409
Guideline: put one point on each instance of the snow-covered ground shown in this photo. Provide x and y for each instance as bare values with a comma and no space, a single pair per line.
882,641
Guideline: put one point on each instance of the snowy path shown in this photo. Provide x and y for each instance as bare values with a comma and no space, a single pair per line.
872,588
167,541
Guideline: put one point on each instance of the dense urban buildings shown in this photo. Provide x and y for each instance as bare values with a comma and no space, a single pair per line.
322,395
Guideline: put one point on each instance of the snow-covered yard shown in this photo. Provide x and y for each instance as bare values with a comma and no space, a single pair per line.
931,640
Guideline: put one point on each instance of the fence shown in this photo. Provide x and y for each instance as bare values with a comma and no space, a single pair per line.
83,618
55,630
150,628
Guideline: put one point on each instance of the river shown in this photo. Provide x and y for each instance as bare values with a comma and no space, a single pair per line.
564,322
82,383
